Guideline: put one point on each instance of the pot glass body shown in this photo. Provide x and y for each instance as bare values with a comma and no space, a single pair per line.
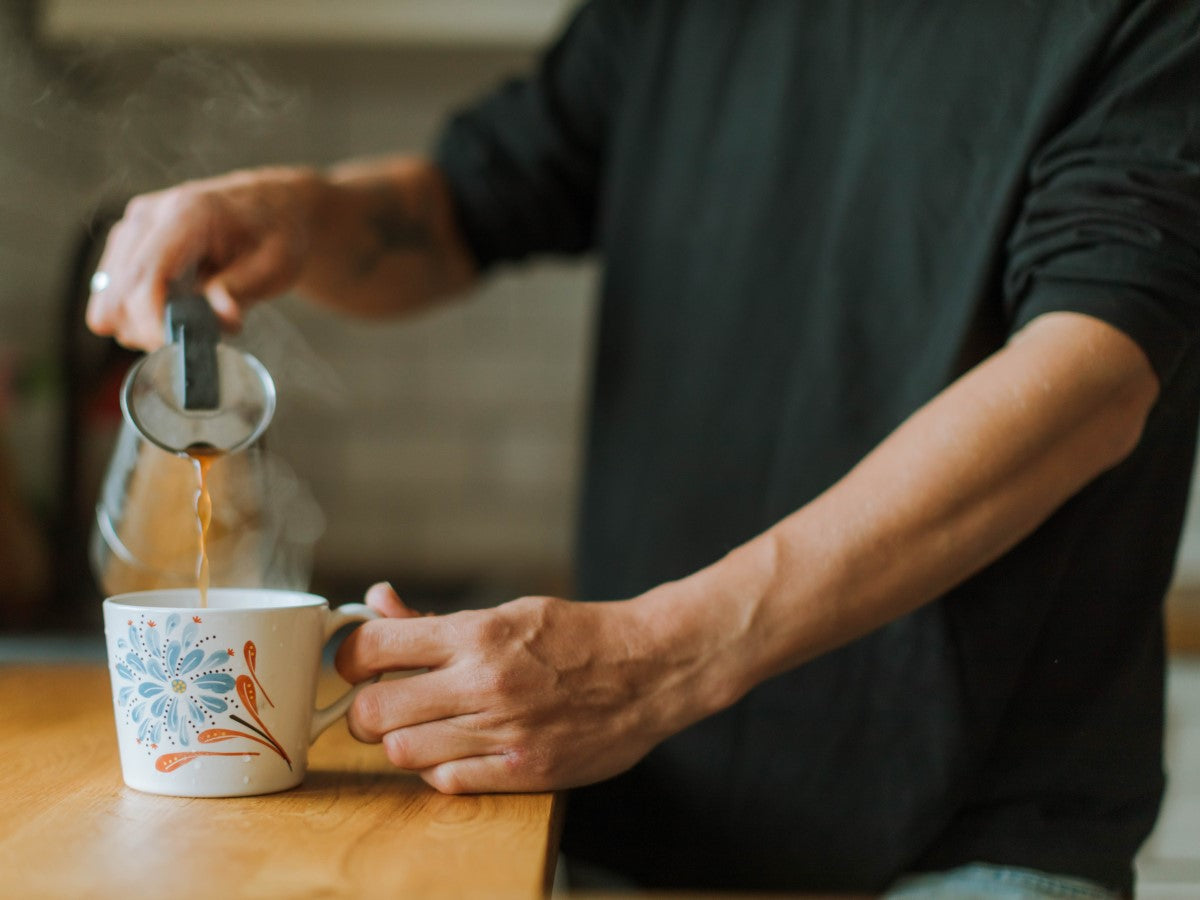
146,534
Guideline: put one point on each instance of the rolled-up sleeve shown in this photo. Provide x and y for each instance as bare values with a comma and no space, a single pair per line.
524,164
1110,225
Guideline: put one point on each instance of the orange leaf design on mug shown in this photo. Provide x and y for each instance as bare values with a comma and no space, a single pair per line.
249,698
169,762
248,695
216,735
251,654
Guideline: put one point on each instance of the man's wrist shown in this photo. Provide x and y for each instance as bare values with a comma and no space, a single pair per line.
706,627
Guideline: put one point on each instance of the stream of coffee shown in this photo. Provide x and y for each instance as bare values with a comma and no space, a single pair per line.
203,456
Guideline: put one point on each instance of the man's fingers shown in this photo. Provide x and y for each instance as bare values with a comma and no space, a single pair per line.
142,322
259,271
382,598
136,267
104,310
227,309
160,238
421,747
404,702
132,310
384,645
480,774
101,314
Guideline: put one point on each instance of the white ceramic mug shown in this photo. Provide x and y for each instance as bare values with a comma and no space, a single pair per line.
218,701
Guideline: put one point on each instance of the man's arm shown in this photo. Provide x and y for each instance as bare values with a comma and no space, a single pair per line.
386,240
953,488
370,239
542,693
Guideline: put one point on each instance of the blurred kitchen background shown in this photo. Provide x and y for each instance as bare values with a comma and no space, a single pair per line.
442,452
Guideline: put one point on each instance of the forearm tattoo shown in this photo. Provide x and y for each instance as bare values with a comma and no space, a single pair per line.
395,228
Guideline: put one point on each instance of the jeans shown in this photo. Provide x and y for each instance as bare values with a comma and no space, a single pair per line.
979,881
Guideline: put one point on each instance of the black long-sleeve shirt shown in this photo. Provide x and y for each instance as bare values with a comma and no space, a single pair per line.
814,216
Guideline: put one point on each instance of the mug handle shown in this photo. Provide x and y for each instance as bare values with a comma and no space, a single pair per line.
325,716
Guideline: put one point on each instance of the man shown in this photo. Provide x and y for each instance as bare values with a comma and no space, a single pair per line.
892,429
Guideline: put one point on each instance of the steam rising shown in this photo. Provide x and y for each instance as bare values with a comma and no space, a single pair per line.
137,116
299,523
306,385
194,112
297,369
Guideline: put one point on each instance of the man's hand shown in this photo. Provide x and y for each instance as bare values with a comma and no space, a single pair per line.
373,239
238,238
536,694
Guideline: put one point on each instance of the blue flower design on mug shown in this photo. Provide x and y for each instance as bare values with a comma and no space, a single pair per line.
170,684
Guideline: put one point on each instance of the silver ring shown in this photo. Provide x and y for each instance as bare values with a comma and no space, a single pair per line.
99,281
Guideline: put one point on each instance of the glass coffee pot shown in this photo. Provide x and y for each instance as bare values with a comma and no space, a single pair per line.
197,396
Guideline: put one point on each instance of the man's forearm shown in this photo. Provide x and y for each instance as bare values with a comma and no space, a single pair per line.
385,240
954,487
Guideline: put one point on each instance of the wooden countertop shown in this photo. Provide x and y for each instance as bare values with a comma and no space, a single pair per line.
356,827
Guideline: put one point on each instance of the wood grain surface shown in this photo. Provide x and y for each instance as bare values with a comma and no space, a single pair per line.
356,827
